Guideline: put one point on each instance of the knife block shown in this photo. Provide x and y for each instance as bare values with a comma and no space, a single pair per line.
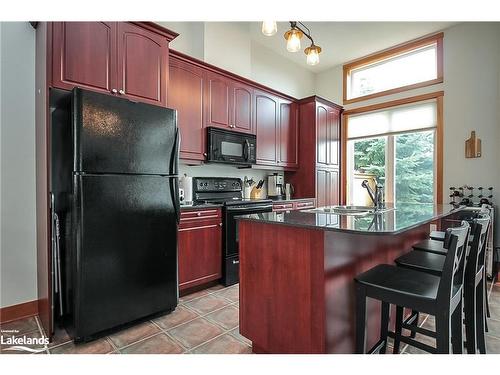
256,193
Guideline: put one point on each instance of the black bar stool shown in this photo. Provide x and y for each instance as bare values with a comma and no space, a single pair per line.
418,291
473,283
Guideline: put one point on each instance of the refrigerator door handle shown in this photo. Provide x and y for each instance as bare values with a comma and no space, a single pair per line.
175,154
175,197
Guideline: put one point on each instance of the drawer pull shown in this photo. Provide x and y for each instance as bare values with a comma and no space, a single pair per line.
198,213
236,261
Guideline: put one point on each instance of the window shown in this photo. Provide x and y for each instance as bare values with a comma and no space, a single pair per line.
396,146
414,64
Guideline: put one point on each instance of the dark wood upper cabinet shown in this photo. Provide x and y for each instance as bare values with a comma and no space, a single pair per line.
84,55
327,187
241,108
218,101
186,95
288,134
142,64
266,124
119,58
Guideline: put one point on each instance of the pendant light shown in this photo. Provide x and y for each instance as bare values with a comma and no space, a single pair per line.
312,54
269,28
293,37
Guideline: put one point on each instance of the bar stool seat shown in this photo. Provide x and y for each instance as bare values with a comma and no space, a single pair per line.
400,282
422,261
437,235
432,246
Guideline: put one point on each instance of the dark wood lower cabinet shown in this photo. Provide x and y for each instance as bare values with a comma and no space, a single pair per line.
199,247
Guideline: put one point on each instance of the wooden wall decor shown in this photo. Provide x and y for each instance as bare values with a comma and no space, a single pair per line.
473,146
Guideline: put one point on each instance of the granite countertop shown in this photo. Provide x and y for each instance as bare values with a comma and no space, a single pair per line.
401,218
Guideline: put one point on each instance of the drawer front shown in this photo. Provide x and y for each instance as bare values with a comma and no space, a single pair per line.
279,207
197,215
304,205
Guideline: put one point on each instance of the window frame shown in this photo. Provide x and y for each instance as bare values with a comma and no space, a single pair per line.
392,52
438,153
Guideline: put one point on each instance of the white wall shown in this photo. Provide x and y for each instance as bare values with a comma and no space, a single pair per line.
471,102
191,37
17,112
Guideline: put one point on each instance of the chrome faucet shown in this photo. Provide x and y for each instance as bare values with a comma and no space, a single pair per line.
377,195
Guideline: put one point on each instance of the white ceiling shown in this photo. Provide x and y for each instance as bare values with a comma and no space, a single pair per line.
345,41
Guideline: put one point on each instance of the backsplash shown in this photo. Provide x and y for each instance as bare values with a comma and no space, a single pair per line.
220,170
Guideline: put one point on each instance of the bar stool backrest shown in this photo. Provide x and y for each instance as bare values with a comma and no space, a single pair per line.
475,261
452,278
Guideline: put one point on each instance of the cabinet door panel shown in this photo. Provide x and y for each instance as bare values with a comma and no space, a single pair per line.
142,64
322,135
84,55
266,122
242,108
288,134
200,253
334,136
185,94
333,181
322,188
218,101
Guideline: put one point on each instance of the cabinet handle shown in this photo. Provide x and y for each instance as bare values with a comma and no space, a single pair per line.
121,92
231,126
236,261
198,214
114,91
220,224
204,154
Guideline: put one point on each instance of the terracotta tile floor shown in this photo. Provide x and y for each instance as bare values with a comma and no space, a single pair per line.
203,322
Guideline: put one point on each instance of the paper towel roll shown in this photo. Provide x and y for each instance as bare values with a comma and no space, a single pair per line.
186,183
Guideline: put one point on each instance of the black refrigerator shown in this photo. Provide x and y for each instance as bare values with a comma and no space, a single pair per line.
119,206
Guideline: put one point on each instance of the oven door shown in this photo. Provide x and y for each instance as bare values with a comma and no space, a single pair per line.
231,147
231,253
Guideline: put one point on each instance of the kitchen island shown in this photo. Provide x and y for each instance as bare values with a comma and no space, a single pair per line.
297,270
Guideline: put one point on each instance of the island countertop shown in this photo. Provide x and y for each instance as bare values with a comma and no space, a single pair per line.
297,271
392,221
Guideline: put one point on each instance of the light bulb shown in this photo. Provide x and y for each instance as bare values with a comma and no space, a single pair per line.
269,28
312,53
293,40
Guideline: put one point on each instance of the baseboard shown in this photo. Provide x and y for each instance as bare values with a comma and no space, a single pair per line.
15,312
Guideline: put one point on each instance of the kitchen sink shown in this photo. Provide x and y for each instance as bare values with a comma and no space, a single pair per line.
350,210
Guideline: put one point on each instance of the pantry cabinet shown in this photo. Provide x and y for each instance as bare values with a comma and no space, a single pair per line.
118,58
318,173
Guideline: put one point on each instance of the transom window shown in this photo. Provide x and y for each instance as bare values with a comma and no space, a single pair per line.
415,64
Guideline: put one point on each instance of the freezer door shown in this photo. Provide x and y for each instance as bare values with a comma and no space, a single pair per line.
126,250
116,135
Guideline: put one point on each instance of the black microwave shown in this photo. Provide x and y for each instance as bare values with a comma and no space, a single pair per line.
226,146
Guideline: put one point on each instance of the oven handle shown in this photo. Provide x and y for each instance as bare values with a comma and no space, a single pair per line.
253,208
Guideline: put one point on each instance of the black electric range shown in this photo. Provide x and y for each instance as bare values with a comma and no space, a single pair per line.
228,192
